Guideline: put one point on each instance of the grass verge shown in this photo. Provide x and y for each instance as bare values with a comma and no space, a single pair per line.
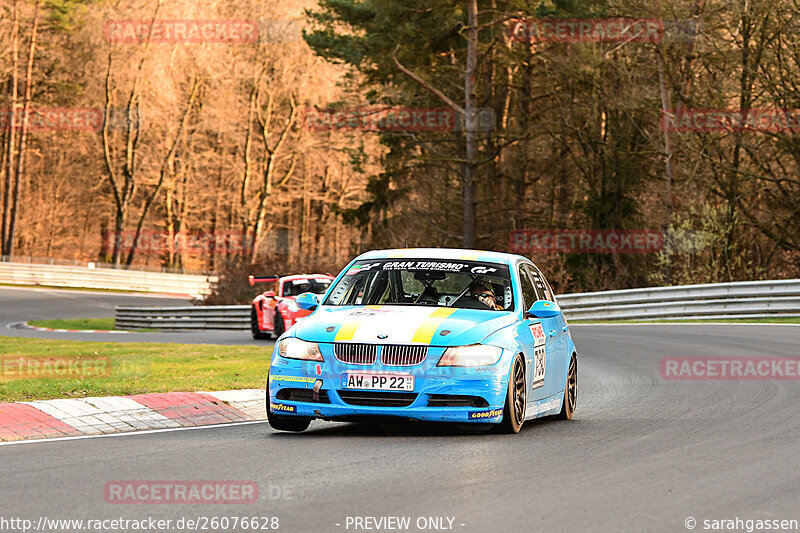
106,324
36,369
100,324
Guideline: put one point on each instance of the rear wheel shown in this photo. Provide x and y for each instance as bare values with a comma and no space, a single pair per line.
278,327
257,333
570,390
286,423
514,410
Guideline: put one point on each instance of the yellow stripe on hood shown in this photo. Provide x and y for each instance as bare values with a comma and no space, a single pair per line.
348,329
428,328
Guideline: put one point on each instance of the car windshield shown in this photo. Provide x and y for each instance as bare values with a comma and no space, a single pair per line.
426,282
294,287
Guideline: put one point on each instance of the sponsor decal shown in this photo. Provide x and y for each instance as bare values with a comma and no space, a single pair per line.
544,406
355,269
465,265
294,379
369,311
538,333
538,366
479,415
538,355
282,408
438,266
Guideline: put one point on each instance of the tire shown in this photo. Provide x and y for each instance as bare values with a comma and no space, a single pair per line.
294,424
278,327
257,333
516,397
570,391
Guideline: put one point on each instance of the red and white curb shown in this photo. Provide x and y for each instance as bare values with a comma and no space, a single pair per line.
118,414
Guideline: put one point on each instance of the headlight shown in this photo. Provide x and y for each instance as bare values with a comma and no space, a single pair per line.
293,348
291,306
473,355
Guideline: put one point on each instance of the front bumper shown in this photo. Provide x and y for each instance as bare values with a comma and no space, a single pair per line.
490,384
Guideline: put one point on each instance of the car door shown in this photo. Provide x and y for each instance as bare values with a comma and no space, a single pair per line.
557,331
545,372
533,339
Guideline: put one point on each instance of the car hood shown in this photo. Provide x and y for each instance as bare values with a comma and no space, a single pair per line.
389,324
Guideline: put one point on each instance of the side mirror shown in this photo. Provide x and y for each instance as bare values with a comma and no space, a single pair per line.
544,309
307,301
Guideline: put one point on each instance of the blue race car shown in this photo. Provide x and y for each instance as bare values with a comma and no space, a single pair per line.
427,334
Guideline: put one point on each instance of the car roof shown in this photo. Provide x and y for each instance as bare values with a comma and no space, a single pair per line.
444,253
306,276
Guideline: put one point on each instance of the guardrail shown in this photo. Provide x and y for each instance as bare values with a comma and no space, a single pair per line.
750,299
185,317
104,278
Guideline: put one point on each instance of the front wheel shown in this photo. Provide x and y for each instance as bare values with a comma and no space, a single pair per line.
295,424
514,410
570,390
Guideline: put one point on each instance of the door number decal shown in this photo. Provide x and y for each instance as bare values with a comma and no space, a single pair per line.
538,355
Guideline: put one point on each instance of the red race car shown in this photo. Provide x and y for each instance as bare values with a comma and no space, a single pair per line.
274,311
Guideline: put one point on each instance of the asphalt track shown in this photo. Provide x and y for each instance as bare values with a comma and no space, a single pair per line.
641,454
19,305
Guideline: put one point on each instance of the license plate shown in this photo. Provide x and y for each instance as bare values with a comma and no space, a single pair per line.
377,381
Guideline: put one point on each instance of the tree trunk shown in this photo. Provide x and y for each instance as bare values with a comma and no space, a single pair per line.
471,134
12,126
165,169
669,170
23,136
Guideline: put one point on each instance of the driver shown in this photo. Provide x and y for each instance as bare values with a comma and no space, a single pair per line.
485,295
